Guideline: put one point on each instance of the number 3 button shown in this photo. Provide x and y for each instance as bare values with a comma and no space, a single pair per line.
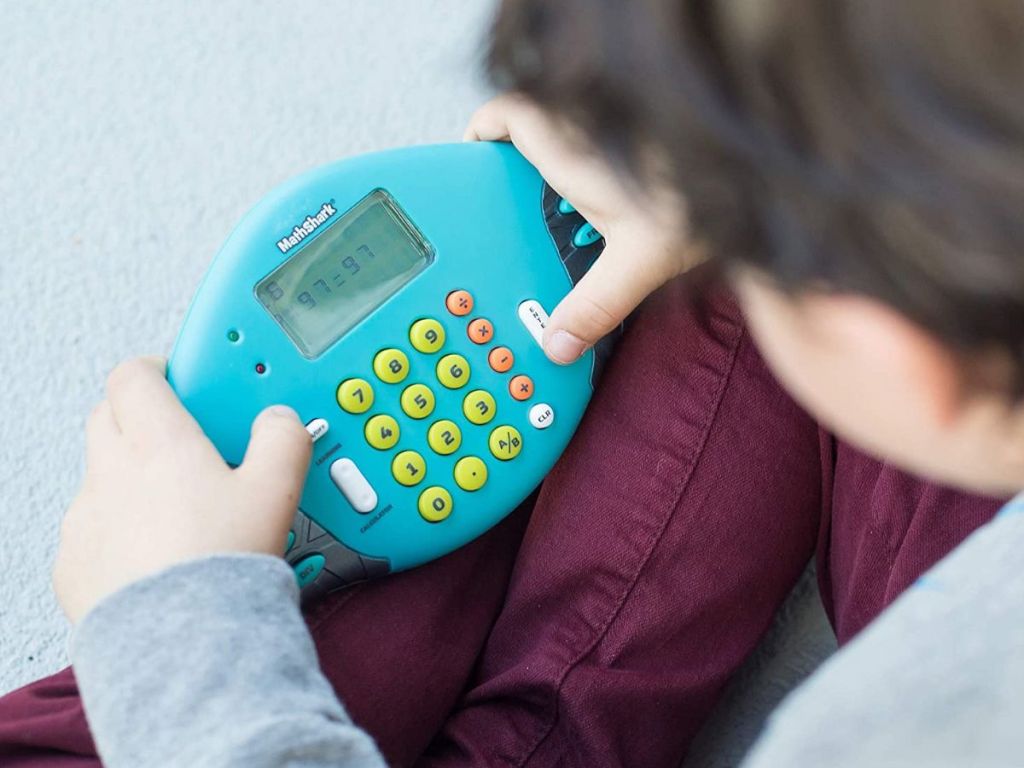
479,406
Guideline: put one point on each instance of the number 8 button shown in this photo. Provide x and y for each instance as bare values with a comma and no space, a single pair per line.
391,365
453,371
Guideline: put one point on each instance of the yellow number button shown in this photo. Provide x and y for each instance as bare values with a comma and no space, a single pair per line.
408,467
381,432
355,395
505,442
435,504
479,406
470,473
444,437
426,336
417,401
453,371
391,365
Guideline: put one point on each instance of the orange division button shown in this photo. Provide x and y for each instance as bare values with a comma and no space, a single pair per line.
501,359
459,302
480,331
521,387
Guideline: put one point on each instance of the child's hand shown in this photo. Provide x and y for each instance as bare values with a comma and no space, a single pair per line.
645,231
157,493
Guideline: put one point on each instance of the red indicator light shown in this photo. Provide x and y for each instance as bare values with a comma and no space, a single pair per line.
261,368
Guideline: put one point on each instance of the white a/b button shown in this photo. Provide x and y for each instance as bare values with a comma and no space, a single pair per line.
532,315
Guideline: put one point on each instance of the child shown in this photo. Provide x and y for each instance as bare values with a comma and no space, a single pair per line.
853,171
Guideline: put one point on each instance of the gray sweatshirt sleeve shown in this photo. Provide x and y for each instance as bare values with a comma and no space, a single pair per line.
209,664
935,681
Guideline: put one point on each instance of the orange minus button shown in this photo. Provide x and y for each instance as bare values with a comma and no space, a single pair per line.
459,303
501,359
521,387
480,331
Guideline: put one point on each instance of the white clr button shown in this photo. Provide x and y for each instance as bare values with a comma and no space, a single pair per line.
353,485
542,416
317,428
532,315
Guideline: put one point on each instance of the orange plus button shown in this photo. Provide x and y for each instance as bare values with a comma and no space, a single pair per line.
459,303
521,387
480,331
501,359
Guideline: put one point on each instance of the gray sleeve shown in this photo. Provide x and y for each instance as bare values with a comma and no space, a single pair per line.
209,664
935,681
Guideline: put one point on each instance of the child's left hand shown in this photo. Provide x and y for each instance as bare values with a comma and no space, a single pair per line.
157,493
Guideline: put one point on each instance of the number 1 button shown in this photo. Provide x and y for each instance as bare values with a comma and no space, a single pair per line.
355,395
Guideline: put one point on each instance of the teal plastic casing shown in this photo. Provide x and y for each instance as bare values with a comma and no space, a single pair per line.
498,232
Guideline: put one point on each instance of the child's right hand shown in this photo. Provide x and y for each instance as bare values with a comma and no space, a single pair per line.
645,231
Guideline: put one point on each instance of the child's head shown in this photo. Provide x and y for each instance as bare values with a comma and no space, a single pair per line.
858,168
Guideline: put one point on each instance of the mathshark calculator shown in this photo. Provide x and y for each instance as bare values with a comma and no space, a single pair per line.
396,301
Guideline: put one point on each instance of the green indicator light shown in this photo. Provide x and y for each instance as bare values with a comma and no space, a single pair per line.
233,336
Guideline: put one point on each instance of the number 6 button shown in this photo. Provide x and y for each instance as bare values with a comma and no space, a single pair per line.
479,406
453,371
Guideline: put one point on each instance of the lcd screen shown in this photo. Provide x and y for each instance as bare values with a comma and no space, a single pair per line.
344,273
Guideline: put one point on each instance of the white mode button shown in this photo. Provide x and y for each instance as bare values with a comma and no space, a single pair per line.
532,315
354,485
317,428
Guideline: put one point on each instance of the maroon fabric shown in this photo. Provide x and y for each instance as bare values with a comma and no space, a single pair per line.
660,547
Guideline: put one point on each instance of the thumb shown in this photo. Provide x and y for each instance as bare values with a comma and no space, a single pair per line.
613,287
277,458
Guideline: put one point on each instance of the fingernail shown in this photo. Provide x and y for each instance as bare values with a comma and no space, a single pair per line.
283,411
564,347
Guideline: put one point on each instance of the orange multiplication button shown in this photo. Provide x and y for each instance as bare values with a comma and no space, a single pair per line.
500,359
521,387
459,302
480,331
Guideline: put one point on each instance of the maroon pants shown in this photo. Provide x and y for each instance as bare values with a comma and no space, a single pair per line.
600,630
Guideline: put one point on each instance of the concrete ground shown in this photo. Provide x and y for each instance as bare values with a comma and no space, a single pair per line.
135,134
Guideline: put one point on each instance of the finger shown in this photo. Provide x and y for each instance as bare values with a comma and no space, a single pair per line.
101,434
604,297
277,458
143,403
488,123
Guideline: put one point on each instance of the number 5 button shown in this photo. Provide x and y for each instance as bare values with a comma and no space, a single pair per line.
417,401
355,395
479,406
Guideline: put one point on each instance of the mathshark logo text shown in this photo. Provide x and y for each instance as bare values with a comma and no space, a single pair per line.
310,225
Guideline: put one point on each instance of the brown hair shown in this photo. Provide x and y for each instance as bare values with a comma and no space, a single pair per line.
868,146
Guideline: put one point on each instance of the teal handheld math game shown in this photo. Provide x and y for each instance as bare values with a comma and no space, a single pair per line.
396,301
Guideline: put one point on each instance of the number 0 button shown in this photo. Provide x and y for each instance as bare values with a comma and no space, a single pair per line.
435,504
408,468
355,395
391,365
417,401
426,336
444,437
505,442
479,406
381,432
453,371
